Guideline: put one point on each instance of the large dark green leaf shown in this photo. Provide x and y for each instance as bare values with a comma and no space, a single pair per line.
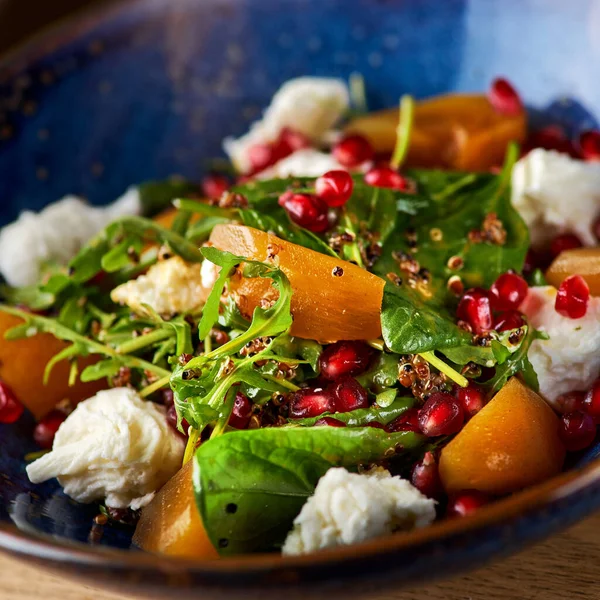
250,485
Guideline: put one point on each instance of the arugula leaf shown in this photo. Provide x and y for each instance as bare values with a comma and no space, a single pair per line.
363,416
32,296
242,516
156,196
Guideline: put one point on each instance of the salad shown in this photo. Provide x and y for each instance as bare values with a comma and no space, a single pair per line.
363,323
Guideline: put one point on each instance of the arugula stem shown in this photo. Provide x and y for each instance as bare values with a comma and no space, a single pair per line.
353,253
377,344
207,344
358,95
194,436
282,382
405,122
207,210
64,333
143,341
154,387
444,368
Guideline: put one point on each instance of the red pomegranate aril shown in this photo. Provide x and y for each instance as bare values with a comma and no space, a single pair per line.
466,503
349,395
386,177
261,156
552,137
425,476
510,319
596,228
214,185
565,241
10,408
330,422
572,297
172,421
46,429
577,430
305,210
290,141
241,412
408,421
311,402
474,308
508,291
589,144
504,98
591,402
334,188
375,425
571,402
353,151
442,414
344,358
471,399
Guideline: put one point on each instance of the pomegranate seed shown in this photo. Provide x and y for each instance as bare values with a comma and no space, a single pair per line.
386,177
466,503
571,402
375,425
349,395
474,308
167,397
591,402
577,430
442,414
550,138
589,144
334,188
290,141
471,398
535,260
307,211
10,408
172,421
344,358
408,421
596,228
425,476
46,429
352,151
214,185
330,421
241,412
566,241
572,297
311,402
504,98
511,319
508,291
261,156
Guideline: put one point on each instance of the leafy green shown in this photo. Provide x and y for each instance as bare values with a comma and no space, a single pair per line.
156,196
364,416
250,485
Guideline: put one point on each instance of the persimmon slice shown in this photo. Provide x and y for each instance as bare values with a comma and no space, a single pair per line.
171,523
458,131
326,307
578,261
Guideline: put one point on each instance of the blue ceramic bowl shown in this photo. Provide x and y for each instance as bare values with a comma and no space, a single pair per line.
149,89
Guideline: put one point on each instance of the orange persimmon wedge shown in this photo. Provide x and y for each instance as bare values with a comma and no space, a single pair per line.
510,444
457,131
325,307
22,364
579,261
171,523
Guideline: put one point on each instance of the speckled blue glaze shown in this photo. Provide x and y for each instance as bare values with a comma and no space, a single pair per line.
151,88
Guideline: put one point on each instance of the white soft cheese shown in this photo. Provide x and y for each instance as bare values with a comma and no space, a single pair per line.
309,105
555,193
348,508
170,287
570,359
113,446
55,235
307,162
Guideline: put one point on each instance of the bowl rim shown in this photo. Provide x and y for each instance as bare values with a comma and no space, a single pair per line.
50,550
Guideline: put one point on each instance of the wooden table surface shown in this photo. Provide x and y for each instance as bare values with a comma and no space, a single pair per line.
565,566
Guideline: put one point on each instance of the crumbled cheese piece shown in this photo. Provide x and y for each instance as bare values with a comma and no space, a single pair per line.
570,359
113,446
307,162
55,235
347,508
170,287
309,105
555,193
